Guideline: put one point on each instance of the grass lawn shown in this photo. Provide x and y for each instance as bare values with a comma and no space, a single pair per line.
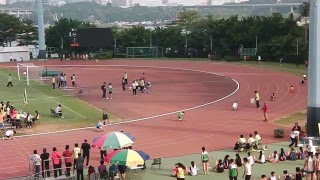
77,113
292,118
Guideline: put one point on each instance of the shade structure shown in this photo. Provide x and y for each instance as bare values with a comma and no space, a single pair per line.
125,157
144,155
110,140
129,135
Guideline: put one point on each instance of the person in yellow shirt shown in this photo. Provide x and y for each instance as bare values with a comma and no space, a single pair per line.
75,152
257,98
53,82
180,171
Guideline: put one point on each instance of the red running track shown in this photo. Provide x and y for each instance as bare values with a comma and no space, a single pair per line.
214,126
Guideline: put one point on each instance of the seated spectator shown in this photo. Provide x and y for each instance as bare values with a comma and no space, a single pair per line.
226,162
263,177
262,158
241,143
251,142
273,97
193,169
174,170
238,160
301,154
292,155
180,171
9,134
282,155
273,176
235,106
102,167
99,126
58,111
90,171
286,175
298,175
219,166
274,157
36,117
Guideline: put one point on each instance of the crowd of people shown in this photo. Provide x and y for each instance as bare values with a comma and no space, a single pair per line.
73,162
60,81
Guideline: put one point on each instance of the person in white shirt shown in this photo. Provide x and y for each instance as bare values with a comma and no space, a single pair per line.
235,106
262,158
250,159
294,138
247,169
58,110
274,157
134,88
257,138
273,176
240,143
193,169
251,142
9,134
36,160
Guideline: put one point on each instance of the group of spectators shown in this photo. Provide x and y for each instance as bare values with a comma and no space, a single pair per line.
73,159
8,114
253,142
60,81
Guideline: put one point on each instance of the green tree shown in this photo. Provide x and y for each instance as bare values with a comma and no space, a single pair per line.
10,26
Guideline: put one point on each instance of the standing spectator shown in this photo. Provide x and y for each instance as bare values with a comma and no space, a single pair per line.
233,170
180,171
298,175
65,79
247,169
76,150
53,82
58,80
11,58
257,98
104,90
110,91
9,81
73,80
122,170
103,154
250,159
67,154
86,151
134,88
125,77
294,135
36,160
205,161
265,111
102,167
62,80
123,84
296,127
56,160
45,163
79,166
309,166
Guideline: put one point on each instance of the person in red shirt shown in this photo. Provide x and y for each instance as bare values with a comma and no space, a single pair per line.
56,160
67,154
265,111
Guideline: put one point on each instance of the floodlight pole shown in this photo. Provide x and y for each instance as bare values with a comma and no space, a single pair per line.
42,44
313,111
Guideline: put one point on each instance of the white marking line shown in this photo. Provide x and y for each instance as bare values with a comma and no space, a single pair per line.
70,109
145,118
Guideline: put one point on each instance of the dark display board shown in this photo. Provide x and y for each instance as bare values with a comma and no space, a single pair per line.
92,38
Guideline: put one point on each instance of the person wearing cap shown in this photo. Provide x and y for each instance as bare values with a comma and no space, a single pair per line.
86,151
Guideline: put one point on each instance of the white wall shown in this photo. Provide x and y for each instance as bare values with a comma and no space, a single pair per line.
16,52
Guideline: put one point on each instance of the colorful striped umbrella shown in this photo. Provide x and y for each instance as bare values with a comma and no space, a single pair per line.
110,140
125,157
144,155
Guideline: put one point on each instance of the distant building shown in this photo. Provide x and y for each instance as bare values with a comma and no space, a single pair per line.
3,2
187,2
119,2
146,2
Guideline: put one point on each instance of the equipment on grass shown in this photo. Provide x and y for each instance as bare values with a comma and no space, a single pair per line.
29,71
142,52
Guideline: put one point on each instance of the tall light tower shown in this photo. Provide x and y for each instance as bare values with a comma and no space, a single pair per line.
42,44
314,70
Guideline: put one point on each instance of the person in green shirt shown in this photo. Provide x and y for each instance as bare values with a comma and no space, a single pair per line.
110,91
180,115
9,81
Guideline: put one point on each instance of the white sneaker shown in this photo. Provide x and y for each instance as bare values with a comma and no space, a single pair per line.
107,98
